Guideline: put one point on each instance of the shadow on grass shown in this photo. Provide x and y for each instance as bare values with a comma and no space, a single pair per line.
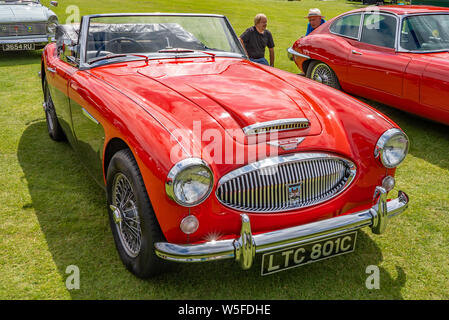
71,210
429,140
19,58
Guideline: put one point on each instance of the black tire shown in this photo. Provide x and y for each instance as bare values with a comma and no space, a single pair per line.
126,191
53,127
321,72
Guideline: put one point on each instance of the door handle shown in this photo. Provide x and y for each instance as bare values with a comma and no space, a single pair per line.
51,70
357,53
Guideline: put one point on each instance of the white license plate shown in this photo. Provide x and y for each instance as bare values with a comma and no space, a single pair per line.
295,256
19,46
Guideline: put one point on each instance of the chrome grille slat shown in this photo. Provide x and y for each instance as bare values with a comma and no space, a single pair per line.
263,187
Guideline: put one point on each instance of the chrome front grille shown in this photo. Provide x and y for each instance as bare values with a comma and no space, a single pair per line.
286,182
23,29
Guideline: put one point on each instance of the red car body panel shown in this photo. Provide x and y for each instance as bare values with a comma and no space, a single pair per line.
145,103
414,82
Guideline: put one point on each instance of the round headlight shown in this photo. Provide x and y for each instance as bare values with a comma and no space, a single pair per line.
392,147
189,182
51,24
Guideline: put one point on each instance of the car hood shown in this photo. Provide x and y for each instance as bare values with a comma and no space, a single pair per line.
23,13
233,92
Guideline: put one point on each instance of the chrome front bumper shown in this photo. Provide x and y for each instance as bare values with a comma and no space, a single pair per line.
291,53
38,40
243,249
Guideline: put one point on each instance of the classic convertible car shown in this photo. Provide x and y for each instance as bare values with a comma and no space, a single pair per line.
395,55
205,155
26,25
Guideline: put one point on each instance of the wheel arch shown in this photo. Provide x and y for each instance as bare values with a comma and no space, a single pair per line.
113,146
43,75
306,64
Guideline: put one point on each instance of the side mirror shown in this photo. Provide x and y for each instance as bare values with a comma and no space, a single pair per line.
54,3
68,52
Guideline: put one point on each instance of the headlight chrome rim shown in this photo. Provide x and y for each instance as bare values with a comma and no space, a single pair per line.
180,167
382,142
51,24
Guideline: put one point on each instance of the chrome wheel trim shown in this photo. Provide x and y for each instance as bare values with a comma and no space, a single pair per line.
126,215
323,74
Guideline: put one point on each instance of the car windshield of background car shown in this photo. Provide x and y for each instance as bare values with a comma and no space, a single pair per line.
18,1
426,33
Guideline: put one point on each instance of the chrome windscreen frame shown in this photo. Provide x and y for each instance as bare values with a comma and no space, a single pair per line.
285,159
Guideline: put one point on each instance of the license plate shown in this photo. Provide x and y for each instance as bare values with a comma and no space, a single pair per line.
19,46
296,256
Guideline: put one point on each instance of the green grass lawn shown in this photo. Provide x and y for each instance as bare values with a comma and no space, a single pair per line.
52,214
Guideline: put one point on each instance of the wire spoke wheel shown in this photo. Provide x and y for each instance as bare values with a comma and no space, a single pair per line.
53,127
126,215
133,222
322,73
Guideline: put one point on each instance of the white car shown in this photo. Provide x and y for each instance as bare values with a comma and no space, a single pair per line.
26,25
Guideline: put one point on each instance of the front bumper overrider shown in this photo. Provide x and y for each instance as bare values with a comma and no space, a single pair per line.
244,248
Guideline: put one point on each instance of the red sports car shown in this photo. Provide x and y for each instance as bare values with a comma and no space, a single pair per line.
397,55
205,155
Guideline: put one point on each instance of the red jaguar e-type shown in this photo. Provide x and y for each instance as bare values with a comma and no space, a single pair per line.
397,55
205,155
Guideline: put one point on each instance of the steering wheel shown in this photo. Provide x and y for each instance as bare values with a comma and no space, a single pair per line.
119,40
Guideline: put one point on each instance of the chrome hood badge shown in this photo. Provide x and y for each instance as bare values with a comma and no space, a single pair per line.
287,144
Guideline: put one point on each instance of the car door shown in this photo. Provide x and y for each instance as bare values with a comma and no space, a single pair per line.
374,62
88,130
58,74
75,104
347,28
435,83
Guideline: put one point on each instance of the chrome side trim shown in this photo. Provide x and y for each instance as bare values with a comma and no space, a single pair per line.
376,217
291,52
277,125
88,115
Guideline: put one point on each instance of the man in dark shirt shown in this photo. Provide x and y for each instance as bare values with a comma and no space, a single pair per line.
256,38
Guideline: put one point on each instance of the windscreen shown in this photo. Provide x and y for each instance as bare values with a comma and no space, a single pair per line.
156,35
426,33
18,1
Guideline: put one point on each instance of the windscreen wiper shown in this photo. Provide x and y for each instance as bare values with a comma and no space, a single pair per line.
182,50
118,55
176,50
